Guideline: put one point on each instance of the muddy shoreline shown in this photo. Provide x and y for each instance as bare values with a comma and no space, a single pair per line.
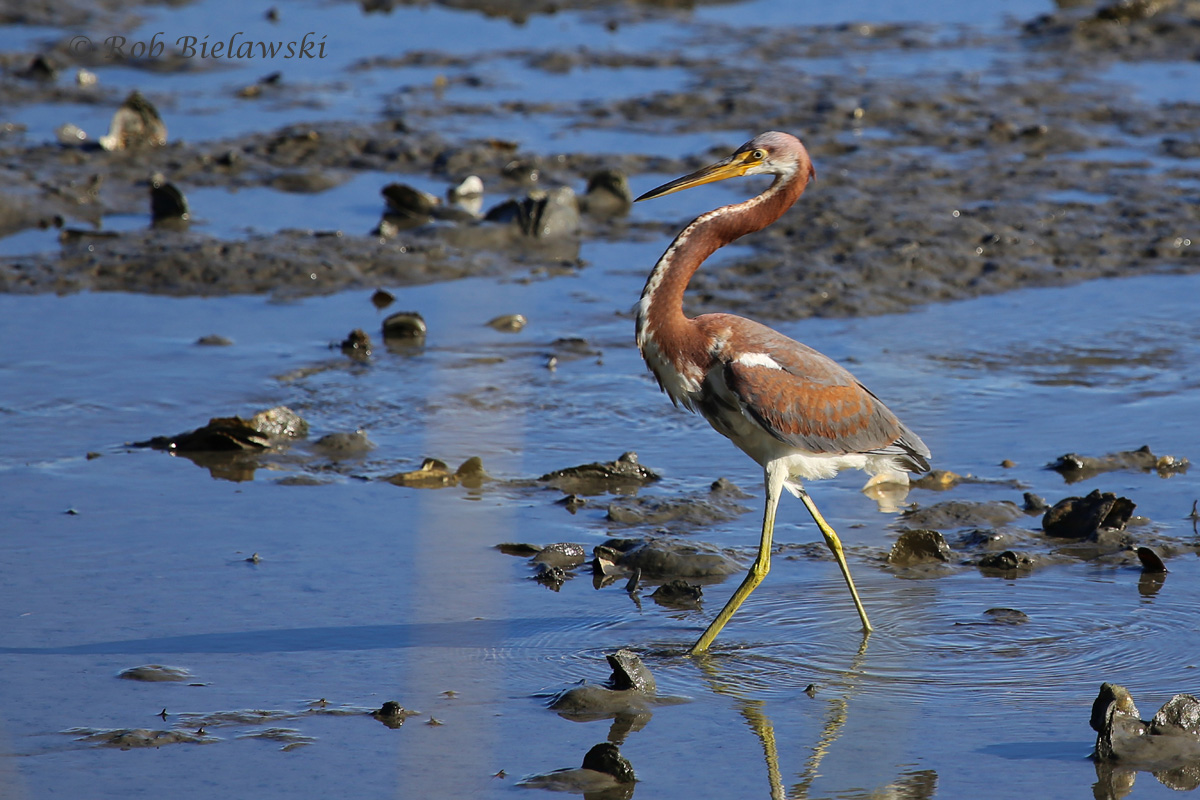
931,187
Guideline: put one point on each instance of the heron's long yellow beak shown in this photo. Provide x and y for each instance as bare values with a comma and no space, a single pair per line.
733,167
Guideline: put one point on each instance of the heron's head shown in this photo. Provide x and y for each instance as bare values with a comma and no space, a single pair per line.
770,153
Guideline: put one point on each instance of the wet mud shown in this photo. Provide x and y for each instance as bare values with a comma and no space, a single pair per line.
936,189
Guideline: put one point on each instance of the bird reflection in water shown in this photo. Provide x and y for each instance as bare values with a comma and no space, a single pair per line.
913,785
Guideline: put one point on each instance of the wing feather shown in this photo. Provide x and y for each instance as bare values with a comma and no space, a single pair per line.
806,399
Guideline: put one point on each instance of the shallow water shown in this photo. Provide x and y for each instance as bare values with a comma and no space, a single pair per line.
367,592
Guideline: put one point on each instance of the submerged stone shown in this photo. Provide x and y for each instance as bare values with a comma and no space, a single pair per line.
1005,561
344,445
154,672
137,738
677,594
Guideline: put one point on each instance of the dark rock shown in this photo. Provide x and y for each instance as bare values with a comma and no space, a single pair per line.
167,203
357,344
1150,561
263,430
382,298
919,547
624,474
606,758
550,576
392,714
405,325
629,672
1085,517
561,554
405,201
630,690
1005,561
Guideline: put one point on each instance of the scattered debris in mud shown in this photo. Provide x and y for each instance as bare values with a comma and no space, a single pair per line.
676,594
435,474
136,738
605,773
630,691
155,672
719,504
919,548
1088,517
623,476
888,227
270,428
232,448
405,325
392,714
963,514
1167,745
662,559
357,345
1076,468
342,446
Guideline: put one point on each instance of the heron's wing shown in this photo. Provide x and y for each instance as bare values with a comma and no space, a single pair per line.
808,410
809,401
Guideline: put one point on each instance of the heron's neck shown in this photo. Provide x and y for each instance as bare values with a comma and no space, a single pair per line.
660,311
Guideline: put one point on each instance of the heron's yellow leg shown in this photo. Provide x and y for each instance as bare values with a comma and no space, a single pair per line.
835,544
758,571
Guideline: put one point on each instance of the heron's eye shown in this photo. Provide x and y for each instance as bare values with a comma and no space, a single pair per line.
758,155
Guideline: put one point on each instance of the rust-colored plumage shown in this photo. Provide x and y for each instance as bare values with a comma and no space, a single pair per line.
797,413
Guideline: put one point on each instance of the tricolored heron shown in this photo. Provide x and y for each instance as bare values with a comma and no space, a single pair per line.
797,413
